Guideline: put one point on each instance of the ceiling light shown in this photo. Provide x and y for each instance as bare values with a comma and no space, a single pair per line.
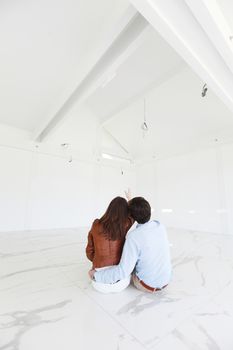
144,125
64,145
204,90
112,157
106,156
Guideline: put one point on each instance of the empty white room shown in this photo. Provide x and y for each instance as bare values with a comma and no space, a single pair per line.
116,175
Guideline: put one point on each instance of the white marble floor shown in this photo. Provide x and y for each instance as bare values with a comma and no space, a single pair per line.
47,302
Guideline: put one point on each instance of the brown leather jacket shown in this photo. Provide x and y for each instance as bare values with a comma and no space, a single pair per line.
100,250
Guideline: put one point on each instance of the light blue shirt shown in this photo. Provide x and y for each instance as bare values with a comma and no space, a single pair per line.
146,253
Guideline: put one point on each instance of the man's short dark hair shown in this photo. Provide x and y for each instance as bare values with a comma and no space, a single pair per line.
140,210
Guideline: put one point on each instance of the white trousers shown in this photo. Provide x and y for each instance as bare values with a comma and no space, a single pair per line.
111,288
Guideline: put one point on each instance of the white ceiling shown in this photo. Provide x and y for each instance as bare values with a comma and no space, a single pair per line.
43,46
226,7
153,62
179,119
42,57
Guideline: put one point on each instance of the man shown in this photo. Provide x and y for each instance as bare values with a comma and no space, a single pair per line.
146,253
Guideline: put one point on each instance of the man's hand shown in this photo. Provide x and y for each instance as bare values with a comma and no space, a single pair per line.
128,194
91,274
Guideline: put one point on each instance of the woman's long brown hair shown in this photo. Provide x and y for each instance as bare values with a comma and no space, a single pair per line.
115,219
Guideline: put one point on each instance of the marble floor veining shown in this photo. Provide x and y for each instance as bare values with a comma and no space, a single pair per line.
47,302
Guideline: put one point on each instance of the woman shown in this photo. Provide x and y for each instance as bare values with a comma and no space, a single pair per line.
106,240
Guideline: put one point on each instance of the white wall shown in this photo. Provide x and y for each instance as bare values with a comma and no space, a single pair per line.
14,174
192,191
227,166
42,191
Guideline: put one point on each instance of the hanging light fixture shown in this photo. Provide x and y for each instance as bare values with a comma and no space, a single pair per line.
204,90
64,145
144,125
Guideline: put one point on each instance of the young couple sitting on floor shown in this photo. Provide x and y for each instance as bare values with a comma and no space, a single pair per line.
117,256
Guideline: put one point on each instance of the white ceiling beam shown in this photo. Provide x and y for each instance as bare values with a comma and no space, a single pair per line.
212,20
126,38
178,26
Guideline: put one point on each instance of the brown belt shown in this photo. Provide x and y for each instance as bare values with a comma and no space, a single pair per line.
151,289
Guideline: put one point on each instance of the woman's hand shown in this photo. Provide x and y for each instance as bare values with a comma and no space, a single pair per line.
128,194
91,274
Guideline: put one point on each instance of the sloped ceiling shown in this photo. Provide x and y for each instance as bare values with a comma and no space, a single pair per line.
43,47
150,65
178,117
42,54
226,7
